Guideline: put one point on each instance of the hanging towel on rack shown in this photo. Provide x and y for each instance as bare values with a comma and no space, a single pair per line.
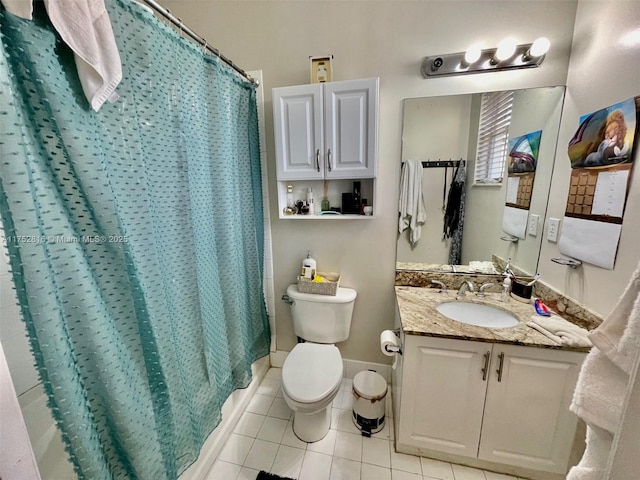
84,25
618,337
601,389
411,205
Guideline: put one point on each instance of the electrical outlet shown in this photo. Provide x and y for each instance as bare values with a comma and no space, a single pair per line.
533,224
552,232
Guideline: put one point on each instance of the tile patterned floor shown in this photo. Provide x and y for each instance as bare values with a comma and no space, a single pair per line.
264,440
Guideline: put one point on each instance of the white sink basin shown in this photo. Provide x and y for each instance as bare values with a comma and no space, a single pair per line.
477,314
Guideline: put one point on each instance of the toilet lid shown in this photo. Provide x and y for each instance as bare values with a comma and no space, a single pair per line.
311,371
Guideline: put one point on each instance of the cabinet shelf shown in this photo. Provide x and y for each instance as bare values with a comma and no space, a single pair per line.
335,188
347,216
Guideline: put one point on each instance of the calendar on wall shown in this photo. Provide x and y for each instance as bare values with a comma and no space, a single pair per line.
602,157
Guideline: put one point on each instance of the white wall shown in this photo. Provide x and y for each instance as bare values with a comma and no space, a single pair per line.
604,70
387,39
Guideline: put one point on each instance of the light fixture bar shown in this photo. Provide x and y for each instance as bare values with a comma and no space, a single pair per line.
455,64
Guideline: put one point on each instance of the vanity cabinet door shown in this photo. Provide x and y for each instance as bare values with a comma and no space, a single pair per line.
351,128
443,394
298,129
527,421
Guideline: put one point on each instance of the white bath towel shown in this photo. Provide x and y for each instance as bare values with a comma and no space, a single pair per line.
84,25
600,392
560,330
411,205
618,337
593,464
20,8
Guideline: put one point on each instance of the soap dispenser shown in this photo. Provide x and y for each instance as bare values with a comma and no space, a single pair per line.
506,287
309,266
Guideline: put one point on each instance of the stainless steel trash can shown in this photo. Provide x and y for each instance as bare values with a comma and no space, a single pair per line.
369,401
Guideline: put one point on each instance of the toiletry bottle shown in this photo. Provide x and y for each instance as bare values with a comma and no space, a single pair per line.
309,266
356,197
506,286
310,201
290,209
290,202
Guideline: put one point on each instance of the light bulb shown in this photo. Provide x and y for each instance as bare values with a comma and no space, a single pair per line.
540,47
506,49
472,55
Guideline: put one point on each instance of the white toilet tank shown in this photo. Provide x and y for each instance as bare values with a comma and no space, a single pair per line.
322,318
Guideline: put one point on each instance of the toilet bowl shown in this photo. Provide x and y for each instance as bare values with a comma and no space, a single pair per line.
311,379
312,372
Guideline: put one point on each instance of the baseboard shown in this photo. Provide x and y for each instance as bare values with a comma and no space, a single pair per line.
277,358
351,367
232,410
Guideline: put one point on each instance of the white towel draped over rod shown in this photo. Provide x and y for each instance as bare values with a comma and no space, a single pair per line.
177,22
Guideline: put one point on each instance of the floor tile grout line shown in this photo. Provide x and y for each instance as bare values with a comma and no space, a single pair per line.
332,457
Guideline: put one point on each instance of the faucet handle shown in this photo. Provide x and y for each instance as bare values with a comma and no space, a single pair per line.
482,288
443,287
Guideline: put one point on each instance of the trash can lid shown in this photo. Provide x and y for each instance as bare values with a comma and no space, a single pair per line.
370,385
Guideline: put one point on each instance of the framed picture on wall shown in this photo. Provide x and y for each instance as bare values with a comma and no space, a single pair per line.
321,69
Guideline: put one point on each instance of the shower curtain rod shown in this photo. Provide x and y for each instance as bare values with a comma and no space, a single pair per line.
183,28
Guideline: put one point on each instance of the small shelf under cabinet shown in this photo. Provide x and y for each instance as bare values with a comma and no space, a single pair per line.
335,190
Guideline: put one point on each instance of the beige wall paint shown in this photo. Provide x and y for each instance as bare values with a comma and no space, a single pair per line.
387,39
604,70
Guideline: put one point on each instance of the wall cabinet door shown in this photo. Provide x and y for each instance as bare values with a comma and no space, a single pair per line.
326,131
299,132
351,128
527,421
443,394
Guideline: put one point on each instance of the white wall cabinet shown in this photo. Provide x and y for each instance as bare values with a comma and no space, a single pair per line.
326,130
500,403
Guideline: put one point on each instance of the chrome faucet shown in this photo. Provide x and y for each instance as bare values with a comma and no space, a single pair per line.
443,287
466,285
482,289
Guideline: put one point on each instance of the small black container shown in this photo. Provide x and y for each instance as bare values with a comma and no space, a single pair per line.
522,290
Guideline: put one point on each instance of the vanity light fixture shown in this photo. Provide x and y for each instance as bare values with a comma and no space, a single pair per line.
508,55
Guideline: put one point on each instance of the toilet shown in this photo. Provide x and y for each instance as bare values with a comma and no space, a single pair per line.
312,372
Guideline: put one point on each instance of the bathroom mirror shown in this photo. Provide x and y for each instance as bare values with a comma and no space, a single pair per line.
446,127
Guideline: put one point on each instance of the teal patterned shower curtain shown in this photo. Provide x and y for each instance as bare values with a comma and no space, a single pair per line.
135,238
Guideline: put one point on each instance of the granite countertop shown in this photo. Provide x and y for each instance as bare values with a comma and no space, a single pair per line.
418,316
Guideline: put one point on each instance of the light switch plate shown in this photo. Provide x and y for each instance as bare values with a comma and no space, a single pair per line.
533,224
552,232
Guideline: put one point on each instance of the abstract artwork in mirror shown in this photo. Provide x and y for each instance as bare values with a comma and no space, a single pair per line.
446,127
522,161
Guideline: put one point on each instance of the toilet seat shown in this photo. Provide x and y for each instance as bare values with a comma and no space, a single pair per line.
311,372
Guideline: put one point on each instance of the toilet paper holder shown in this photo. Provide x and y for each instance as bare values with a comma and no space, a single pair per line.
391,348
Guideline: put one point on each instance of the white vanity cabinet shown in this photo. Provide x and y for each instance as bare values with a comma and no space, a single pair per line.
505,404
326,130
